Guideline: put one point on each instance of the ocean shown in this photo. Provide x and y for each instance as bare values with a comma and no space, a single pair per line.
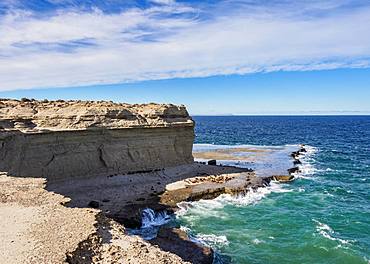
321,217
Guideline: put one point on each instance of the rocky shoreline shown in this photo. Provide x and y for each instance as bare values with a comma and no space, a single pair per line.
118,206
58,209
207,187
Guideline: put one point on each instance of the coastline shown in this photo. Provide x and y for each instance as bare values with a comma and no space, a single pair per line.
74,197
115,207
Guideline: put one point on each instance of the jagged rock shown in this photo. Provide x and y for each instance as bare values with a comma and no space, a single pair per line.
209,187
283,178
75,115
295,154
293,170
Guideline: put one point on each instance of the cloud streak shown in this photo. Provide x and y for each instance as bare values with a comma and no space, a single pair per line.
74,47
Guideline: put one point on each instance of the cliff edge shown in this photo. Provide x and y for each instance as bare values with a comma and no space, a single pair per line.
59,140
30,116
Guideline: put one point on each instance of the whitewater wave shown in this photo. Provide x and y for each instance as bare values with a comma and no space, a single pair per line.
208,207
273,162
210,240
206,147
327,232
211,208
151,218
257,241
151,221
306,168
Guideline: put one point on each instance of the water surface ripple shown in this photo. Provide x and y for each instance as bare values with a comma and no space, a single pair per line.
323,217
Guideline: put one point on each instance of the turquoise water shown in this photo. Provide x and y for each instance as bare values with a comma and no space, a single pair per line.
322,217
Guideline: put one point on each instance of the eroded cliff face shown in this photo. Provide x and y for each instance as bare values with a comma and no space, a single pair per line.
60,140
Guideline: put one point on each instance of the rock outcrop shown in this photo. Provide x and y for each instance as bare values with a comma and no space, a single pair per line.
209,187
59,140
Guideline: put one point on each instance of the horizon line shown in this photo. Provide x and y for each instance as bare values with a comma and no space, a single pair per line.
241,115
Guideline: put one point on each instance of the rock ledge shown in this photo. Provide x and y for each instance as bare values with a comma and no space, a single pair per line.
30,116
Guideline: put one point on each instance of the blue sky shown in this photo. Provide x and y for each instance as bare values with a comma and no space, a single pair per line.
340,91
217,57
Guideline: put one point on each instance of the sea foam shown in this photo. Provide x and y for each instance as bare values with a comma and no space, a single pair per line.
327,232
307,168
208,207
151,218
210,240
151,221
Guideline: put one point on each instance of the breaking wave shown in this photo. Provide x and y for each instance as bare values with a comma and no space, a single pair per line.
327,232
251,197
151,218
210,240
307,168
151,221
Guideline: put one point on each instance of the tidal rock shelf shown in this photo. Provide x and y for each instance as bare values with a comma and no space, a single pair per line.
210,187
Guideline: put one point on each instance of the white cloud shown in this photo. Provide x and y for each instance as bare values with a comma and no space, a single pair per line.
78,48
163,2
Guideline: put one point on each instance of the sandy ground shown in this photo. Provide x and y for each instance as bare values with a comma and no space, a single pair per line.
16,223
35,226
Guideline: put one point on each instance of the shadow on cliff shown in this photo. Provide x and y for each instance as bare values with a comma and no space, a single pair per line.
176,241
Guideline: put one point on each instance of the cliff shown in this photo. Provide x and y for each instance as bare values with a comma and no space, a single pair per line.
76,139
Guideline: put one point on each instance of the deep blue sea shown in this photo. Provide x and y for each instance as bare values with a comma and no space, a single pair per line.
322,217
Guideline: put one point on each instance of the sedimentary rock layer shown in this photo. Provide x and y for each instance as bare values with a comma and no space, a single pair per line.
58,140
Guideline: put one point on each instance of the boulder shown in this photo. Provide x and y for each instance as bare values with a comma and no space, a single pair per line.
212,162
283,178
293,170
295,154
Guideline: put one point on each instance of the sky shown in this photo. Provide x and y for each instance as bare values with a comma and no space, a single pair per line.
216,57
